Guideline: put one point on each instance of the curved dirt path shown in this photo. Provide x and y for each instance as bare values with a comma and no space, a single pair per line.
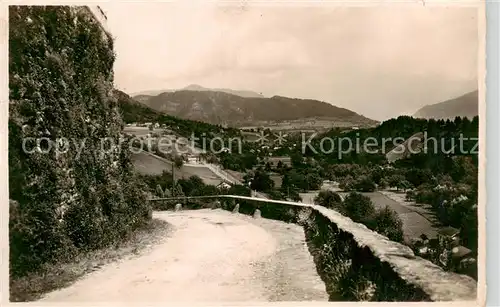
211,255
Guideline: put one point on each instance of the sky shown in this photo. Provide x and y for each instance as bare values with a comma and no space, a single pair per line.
379,61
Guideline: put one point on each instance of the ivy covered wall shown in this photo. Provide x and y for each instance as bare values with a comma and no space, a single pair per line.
78,197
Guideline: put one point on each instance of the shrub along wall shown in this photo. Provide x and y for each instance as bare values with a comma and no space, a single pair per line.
352,270
61,86
355,263
361,264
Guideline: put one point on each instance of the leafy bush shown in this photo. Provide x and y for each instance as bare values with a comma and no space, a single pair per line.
329,199
387,223
239,190
302,179
364,184
194,186
358,207
276,195
164,181
178,162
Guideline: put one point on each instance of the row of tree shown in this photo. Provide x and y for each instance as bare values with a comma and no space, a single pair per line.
163,186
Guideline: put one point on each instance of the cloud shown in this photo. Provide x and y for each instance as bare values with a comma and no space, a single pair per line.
379,61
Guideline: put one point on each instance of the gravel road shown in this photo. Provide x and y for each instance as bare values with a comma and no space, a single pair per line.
210,256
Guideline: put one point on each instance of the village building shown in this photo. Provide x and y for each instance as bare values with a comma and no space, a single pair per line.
224,184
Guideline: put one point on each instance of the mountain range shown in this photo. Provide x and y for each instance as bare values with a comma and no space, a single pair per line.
464,106
240,108
199,88
225,107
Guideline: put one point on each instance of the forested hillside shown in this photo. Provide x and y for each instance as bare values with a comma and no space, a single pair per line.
464,106
133,111
224,108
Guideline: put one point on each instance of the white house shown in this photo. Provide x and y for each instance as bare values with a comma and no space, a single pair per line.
192,159
224,185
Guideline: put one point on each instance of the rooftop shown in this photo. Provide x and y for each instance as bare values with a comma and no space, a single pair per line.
449,231
461,252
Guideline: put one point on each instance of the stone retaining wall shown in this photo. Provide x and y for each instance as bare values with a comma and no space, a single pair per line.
355,263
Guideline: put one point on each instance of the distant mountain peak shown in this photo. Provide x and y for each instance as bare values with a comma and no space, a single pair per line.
200,88
466,105
195,87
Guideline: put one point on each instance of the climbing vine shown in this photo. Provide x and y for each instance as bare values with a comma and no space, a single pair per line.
78,197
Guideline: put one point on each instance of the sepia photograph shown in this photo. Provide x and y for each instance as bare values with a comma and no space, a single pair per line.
245,152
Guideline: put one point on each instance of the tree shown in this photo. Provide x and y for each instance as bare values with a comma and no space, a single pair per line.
178,161
295,196
194,186
364,184
464,170
346,183
328,199
261,181
404,185
395,181
240,190
418,176
358,207
377,174
247,161
297,159
383,183
280,166
313,180
248,177
159,191
387,223
276,195
268,167
207,190
293,180
177,190
445,180
196,181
